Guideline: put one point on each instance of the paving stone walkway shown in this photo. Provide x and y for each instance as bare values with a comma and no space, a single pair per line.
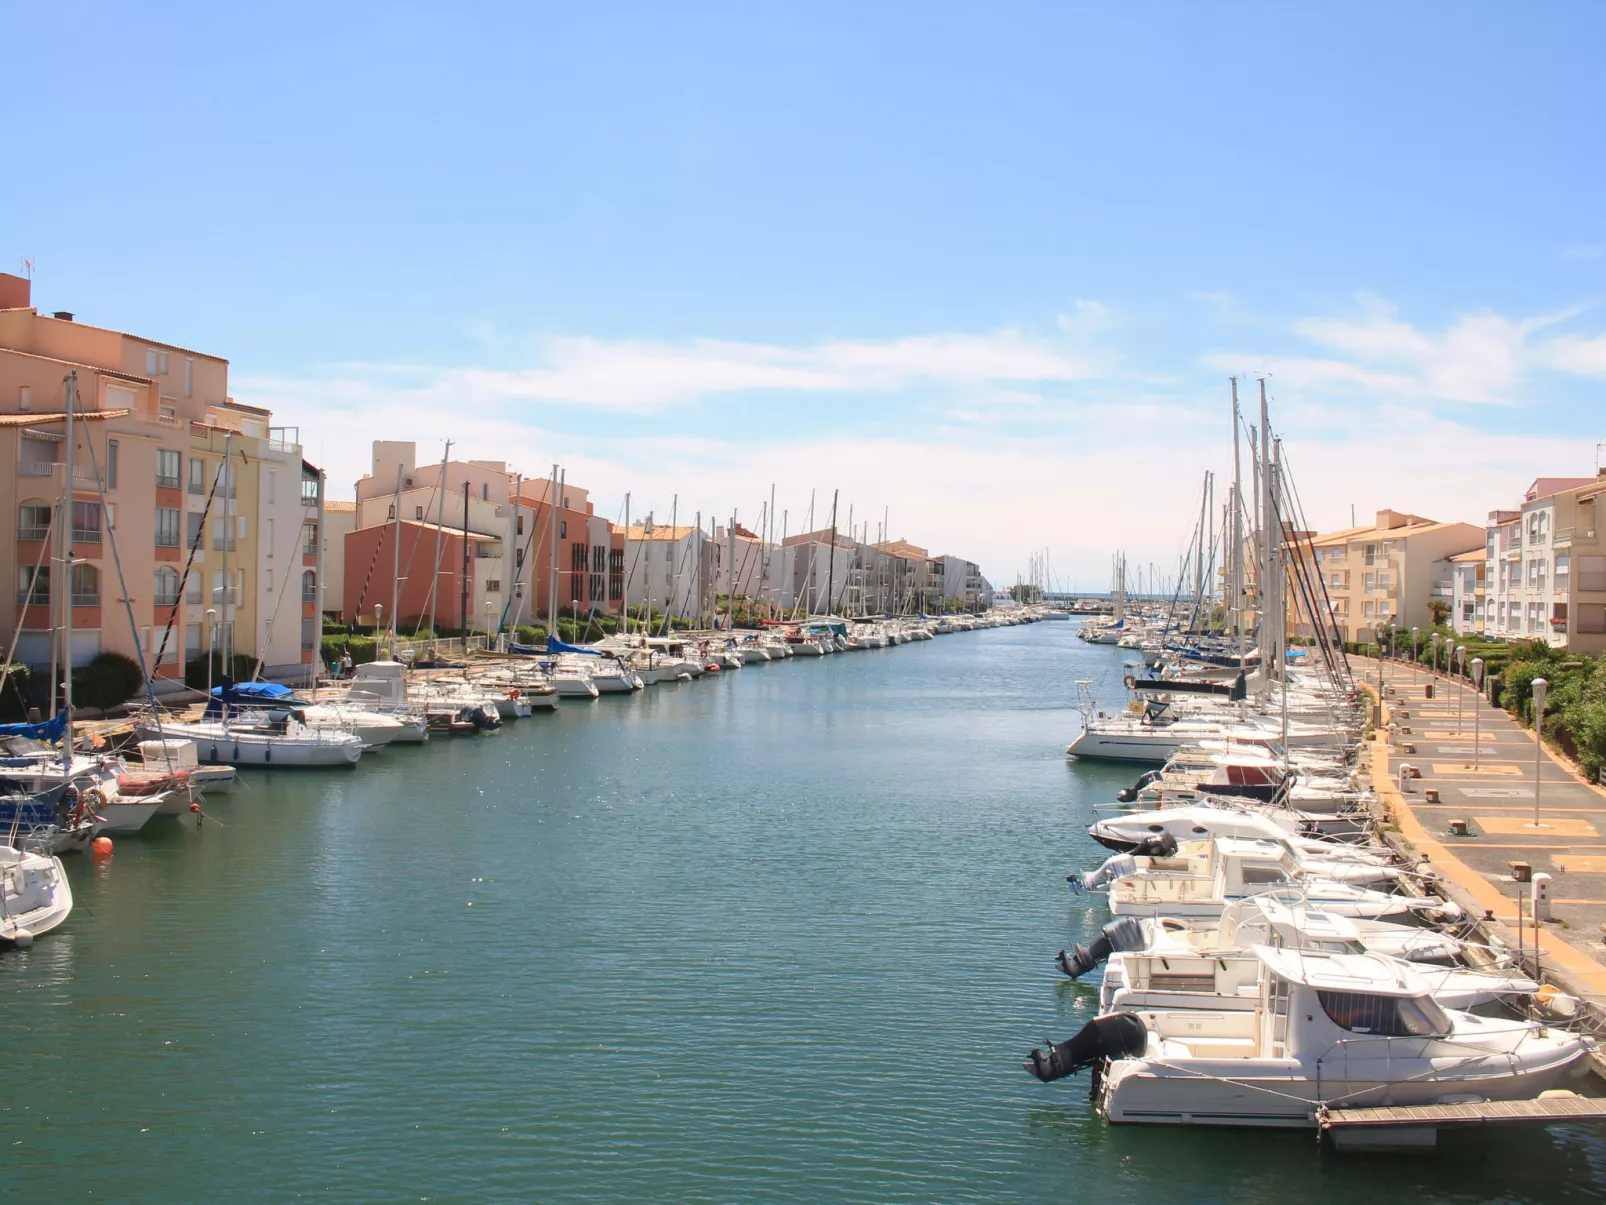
1482,766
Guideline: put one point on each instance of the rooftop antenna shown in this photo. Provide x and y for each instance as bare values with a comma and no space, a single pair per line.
27,267
1598,446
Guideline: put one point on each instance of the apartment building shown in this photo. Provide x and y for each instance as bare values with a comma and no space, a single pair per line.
150,422
673,568
1388,573
522,545
1468,600
963,583
338,519
1546,566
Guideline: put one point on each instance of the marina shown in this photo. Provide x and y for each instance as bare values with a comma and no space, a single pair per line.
581,953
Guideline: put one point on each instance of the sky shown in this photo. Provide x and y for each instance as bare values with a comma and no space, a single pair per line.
981,272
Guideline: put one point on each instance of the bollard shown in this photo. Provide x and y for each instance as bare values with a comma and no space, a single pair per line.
1521,872
1427,691
1433,794
1458,828
1541,897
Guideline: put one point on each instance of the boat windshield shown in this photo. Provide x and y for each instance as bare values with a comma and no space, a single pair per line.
1385,1016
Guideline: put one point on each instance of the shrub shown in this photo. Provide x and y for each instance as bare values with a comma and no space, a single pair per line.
195,674
107,681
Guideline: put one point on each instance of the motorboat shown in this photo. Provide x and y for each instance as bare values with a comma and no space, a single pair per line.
35,896
1326,1028
263,740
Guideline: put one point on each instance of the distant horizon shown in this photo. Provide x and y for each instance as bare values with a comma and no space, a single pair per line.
986,273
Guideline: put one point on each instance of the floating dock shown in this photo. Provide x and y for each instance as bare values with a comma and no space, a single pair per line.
1413,1127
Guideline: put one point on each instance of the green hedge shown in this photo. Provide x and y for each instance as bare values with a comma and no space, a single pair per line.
107,681
195,672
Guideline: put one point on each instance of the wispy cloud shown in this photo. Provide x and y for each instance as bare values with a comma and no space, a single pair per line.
1584,251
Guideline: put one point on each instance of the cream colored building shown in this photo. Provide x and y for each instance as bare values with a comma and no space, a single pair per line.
1546,571
1387,573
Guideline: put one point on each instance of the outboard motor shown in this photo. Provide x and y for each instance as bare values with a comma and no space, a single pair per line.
1124,934
1114,868
1117,1036
1128,794
1161,845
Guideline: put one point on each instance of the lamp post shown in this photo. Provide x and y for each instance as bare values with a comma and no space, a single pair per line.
1416,659
490,612
1541,688
1459,664
379,624
211,641
1477,712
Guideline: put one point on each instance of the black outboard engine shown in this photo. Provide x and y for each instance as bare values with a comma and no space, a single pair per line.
1117,1036
1123,934
1161,845
1128,794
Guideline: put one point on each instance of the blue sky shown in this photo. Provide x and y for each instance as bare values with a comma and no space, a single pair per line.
985,266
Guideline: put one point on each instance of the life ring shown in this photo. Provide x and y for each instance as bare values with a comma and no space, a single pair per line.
1129,681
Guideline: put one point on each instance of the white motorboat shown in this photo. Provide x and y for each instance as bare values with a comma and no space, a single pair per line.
1350,1029
263,741
35,896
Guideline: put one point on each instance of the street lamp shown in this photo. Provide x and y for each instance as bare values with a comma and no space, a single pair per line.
1434,666
1459,663
1416,639
490,610
1477,711
1541,688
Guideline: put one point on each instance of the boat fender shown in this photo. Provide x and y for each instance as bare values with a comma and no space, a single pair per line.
1117,867
1124,934
22,939
1117,1036
267,754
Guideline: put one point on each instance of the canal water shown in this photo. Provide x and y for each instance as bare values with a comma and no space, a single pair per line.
783,935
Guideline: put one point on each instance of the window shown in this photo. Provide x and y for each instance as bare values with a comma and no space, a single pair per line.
220,596
1385,1016
1371,582
273,487
197,475
85,586
167,520
86,522
390,512
418,512
309,491
485,492
1591,619
33,586
267,536
309,586
166,586
310,546
563,529
267,580
192,641
518,558
167,468
189,376
38,457
222,534
309,635
1371,553
1366,610
111,464
155,362
1564,564
193,594
33,520
493,586
24,398
521,525
194,532
1382,581
1592,574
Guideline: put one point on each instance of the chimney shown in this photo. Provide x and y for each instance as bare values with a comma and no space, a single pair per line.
64,315
15,292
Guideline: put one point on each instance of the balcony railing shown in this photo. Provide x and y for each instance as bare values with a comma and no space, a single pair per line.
86,600
37,468
30,531
167,483
32,598
86,535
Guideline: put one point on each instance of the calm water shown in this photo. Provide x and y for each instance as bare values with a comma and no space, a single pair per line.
780,936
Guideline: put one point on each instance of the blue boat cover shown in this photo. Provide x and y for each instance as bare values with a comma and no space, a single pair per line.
239,694
51,730
554,645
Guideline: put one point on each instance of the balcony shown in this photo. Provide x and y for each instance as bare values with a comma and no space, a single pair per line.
32,531
32,598
167,483
36,468
86,535
86,600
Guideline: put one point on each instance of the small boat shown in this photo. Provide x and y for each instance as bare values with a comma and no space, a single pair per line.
35,896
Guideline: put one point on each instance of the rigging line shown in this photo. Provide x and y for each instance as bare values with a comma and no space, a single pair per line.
122,582
434,579
189,564
22,610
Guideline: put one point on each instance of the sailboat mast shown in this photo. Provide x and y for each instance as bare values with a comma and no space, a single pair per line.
830,571
395,558
1269,636
65,587
440,522
552,522
1237,576
626,611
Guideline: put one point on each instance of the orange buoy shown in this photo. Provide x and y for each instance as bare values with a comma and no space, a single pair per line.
102,847
195,807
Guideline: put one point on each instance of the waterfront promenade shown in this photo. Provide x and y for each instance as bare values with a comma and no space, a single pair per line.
1481,764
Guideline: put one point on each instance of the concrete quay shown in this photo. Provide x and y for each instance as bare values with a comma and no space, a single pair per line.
1480,767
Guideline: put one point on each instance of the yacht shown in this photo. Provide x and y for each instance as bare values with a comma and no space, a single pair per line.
35,896
1325,1028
